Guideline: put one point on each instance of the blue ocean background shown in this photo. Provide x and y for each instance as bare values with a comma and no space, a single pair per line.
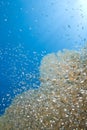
28,31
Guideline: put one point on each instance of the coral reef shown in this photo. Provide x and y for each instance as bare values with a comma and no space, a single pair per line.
60,103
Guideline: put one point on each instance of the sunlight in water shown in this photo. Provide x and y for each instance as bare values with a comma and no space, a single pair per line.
83,5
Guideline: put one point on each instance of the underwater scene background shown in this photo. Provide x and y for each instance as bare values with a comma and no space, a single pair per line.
43,65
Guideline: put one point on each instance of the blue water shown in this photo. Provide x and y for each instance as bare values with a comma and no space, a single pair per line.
28,31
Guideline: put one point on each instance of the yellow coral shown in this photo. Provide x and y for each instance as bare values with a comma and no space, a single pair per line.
61,101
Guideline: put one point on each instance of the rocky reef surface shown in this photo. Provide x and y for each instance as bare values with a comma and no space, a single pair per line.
60,103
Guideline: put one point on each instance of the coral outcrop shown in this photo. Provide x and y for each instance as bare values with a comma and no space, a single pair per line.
60,103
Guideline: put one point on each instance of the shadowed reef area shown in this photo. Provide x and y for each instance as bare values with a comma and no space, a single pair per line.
60,103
